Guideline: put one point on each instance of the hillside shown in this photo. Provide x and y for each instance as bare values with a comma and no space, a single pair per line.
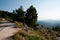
23,25
27,33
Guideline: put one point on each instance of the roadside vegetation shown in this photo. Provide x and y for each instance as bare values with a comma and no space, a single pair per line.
38,34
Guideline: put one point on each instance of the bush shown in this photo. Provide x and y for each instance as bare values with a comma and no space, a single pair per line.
18,24
22,35
32,38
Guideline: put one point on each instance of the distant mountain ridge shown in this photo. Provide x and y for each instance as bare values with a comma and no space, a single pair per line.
49,23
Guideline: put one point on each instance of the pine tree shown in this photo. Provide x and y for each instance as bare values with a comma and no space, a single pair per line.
20,14
31,16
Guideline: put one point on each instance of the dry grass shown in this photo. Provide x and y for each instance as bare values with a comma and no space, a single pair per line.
18,24
42,34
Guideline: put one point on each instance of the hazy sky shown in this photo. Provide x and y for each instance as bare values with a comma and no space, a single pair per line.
47,9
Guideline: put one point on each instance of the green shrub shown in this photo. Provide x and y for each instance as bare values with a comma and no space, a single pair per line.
32,38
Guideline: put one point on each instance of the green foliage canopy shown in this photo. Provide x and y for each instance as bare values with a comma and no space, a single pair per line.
31,16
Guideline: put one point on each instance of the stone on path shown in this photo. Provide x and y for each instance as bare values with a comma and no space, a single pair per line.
57,38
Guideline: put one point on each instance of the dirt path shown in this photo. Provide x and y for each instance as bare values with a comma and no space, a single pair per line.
7,30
